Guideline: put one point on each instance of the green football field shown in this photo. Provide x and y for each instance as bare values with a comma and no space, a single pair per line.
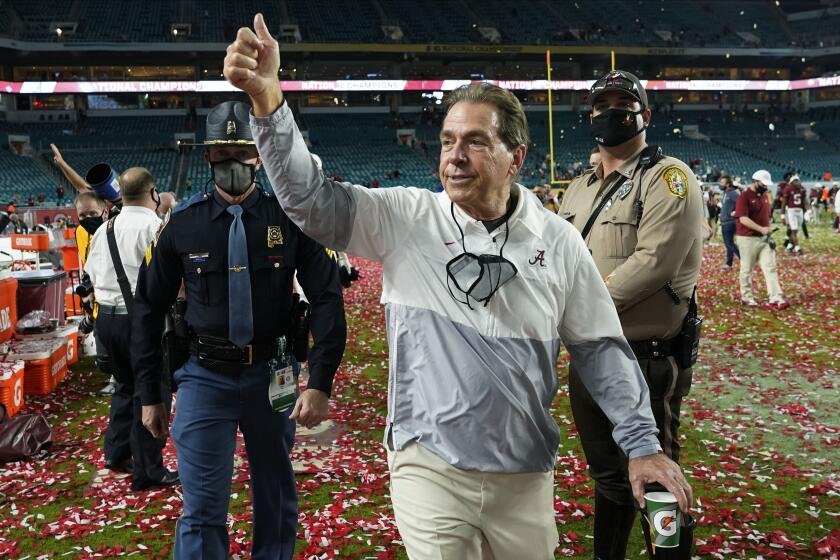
760,434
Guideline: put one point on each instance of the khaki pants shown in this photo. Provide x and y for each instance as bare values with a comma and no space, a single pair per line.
754,249
445,513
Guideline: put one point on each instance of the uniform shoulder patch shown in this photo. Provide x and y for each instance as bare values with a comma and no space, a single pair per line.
149,250
676,180
191,201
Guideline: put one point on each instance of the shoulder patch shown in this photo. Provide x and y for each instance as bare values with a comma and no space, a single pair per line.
192,201
676,181
149,250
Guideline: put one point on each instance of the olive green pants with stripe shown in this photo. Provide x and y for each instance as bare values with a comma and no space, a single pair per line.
668,384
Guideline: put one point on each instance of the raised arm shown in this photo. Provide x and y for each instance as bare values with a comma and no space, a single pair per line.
75,179
365,222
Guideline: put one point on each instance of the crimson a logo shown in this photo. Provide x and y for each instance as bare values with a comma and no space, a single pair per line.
538,258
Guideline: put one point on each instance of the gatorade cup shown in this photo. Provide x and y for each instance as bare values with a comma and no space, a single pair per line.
103,180
663,517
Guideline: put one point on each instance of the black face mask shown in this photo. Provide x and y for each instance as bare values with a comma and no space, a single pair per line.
761,189
156,199
615,126
91,223
233,176
478,276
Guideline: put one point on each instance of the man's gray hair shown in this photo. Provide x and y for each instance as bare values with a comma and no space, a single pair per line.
513,125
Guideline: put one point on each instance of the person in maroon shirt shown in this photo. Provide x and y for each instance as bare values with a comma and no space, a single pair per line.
752,235
794,198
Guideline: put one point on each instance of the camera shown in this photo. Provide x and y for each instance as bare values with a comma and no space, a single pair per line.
84,290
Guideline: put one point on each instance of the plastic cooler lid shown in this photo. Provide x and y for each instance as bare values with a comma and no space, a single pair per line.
38,275
34,349
8,369
64,331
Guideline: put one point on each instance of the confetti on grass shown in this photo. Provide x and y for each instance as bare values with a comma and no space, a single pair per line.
759,433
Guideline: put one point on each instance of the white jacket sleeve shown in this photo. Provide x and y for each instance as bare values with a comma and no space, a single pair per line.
341,216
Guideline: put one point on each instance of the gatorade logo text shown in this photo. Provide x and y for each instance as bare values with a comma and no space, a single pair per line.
665,522
70,349
59,365
5,321
18,392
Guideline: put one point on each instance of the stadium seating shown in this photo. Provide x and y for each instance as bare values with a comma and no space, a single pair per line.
359,148
689,22
364,147
343,21
122,142
20,174
161,163
428,21
817,32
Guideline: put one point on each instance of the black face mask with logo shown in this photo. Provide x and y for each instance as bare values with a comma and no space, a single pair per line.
233,176
91,223
615,126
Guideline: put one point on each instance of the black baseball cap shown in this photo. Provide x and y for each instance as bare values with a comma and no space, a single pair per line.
619,80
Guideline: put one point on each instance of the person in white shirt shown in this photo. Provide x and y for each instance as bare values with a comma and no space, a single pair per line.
481,285
129,446
837,209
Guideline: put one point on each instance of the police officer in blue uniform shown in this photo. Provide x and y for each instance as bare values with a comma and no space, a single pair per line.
236,252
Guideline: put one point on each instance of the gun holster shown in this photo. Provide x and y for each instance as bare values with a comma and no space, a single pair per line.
176,341
688,340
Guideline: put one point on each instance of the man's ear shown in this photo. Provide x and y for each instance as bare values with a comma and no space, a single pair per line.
519,154
646,116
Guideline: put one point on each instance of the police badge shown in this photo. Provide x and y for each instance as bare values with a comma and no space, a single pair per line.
625,189
275,236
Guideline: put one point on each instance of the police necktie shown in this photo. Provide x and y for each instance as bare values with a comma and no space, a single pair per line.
240,313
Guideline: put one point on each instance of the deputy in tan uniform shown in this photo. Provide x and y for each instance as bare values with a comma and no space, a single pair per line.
638,213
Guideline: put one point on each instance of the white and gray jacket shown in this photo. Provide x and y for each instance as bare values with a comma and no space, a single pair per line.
474,386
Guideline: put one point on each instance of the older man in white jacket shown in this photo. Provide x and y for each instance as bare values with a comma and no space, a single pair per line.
481,285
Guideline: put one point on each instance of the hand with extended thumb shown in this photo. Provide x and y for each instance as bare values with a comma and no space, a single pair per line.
252,64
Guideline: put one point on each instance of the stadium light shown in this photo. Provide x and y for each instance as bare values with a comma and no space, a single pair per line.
58,31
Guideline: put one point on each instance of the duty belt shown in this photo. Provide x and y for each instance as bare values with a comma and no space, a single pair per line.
226,352
112,309
652,348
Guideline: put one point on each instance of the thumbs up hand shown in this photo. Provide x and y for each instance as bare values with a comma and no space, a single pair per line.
252,64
